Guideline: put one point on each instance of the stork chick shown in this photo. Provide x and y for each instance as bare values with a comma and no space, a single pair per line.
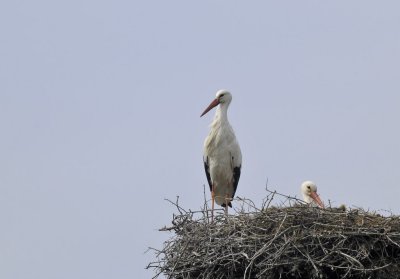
310,196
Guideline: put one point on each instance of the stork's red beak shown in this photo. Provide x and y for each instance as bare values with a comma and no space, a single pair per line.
213,104
316,198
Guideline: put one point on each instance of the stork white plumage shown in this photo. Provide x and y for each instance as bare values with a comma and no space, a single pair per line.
222,156
310,196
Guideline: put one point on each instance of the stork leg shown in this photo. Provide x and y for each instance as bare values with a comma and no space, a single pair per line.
226,204
212,203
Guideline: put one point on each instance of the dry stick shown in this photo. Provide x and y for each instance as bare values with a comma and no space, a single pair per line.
358,269
266,245
332,251
272,197
313,264
180,209
307,255
286,196
395,243
205,201
351,258
248,202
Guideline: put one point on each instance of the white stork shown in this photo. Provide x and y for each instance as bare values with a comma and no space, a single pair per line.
310,196
222,156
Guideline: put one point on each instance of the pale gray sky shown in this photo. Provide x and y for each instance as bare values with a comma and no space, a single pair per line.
99,115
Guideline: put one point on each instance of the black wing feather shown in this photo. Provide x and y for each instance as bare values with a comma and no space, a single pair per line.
236,176
207,169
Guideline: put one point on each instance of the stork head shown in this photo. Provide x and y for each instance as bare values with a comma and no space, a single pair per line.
223,97
309,191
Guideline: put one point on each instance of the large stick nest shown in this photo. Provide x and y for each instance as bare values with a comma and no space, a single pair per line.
295,241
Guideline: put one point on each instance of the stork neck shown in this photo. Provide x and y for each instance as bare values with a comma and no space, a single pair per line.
222,113
307,199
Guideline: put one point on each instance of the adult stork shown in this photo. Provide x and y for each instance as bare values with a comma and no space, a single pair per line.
310,196
222,156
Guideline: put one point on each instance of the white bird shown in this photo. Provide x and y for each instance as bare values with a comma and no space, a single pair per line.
310,196
222,156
